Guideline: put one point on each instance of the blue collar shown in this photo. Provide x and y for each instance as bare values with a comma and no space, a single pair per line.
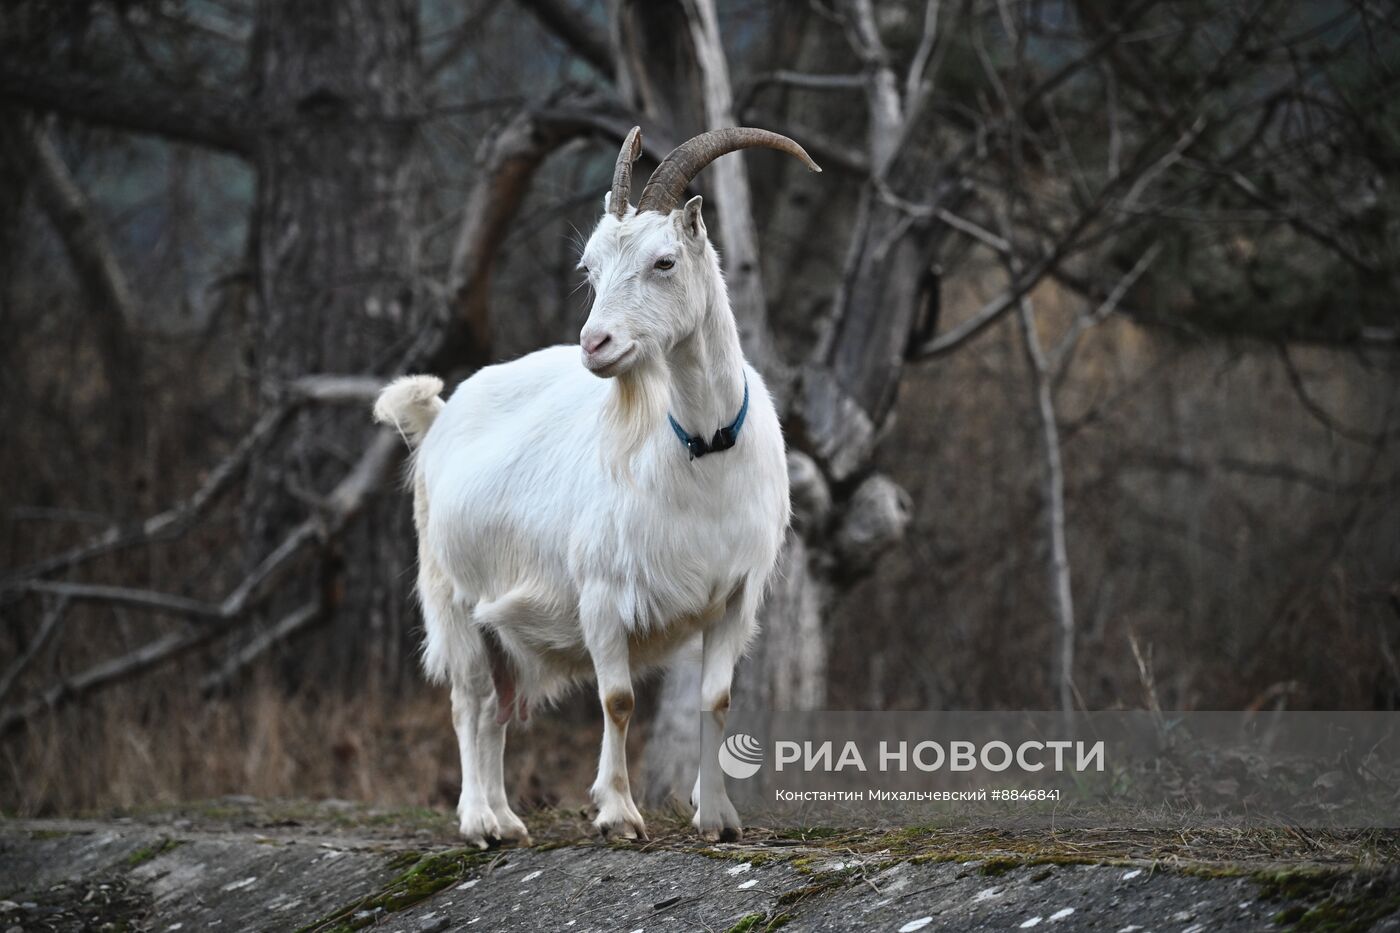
724,438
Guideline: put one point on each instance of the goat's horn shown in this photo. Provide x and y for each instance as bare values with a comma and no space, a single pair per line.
667,184
622,172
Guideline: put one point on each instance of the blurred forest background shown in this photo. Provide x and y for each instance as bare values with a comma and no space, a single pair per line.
1086,340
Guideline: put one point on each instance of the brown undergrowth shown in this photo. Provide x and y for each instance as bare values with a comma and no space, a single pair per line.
134,752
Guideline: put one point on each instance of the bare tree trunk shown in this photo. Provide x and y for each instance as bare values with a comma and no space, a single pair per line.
338,86
1057,556
787,669
113,312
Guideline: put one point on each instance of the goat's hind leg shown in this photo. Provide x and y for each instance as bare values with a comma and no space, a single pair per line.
456,652
484,816
491,747
472,699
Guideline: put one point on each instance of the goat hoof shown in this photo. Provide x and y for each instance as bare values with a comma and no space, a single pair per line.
617,814
512,829
479,827
624,830
621,827
718,822
722,834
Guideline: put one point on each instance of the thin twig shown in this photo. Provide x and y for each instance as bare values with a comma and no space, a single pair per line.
164,525
1060,356
289,627
53,622
1315,409
344,502
913,82
114,671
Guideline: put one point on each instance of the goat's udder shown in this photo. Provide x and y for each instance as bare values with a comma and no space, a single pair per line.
508,704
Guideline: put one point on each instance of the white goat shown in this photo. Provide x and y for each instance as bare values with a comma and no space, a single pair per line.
568,525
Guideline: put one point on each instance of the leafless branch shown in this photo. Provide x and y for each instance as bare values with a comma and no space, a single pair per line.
1306,225
343,503
126,596
461,39
817,82
1315,409
746,92
989,313
115,671
337,390
575,30
913,82
1133,182
72,216
1060,356
173,521
48,628
287,628
882,89
114,309
200,117
1166,460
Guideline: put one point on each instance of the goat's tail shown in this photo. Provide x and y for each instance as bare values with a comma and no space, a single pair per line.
410,404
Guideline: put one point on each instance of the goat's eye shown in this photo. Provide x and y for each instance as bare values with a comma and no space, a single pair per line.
665,263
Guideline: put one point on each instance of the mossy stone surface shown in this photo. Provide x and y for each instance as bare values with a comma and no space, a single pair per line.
318,867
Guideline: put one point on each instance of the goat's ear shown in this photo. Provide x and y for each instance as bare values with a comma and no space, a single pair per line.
607,202
691,222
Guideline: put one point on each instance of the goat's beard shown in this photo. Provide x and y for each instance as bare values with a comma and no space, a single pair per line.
635,408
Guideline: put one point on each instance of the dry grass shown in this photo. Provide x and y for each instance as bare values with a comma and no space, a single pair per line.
134,751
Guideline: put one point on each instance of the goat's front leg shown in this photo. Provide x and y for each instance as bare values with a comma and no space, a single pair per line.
715,817
606,639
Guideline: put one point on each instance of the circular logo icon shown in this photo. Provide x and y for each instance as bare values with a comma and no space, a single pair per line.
740,756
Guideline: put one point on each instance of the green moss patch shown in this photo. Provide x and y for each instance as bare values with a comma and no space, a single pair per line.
996,867
425,875
48,833
747,924
760,923
836,880
1331,901
152,852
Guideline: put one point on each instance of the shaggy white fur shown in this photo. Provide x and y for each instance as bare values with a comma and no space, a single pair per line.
564,531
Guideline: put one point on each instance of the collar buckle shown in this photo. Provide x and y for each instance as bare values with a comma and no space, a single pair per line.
725,438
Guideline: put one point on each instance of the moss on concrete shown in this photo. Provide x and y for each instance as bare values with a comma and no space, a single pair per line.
760,923
48,834
747,923
149,853
425,876
1330,901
